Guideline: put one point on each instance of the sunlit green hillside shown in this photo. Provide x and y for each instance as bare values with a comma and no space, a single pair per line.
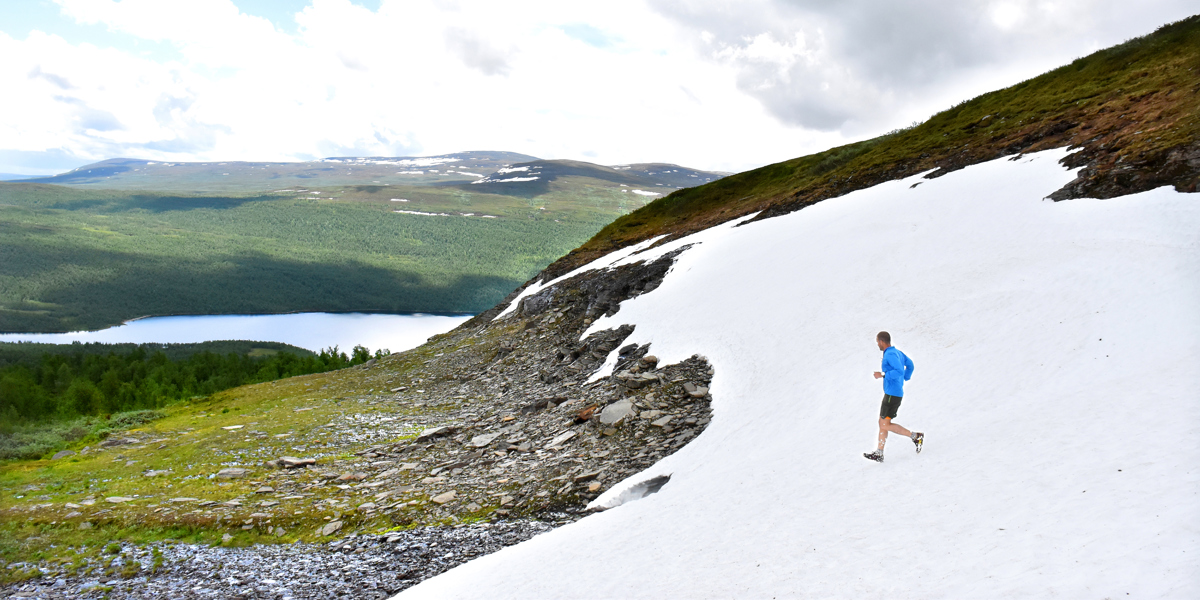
75,258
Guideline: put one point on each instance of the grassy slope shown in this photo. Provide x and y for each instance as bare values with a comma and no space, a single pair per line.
74,259
295,416
1134,108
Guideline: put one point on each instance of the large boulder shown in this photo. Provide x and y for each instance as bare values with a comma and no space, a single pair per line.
232,473
616,412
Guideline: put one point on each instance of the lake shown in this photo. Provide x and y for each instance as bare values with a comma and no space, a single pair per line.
313,331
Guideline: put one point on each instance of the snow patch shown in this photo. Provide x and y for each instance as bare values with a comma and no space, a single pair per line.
424,214
1046,335
509,180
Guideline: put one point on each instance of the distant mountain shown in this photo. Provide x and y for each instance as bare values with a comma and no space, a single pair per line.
13,176
239,176
533,178
508,173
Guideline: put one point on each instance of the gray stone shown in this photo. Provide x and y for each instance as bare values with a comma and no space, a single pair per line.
110,442
586,477
444,498
62,454
616,412
85,525
291,462
118,499
561,439
225,539
663,422
73,514
699,392
481,441
231,473
433,432
331,528
366,506
638,383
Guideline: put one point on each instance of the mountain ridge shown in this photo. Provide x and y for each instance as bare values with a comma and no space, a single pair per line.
473,167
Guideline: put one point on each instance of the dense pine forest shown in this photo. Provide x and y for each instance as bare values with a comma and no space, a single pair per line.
51,394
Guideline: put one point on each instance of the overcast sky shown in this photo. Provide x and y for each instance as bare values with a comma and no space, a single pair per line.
714,84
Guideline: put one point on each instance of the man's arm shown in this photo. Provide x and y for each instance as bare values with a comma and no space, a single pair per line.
908,367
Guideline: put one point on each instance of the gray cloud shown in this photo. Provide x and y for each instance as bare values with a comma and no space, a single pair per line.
57,80
381,143
91,119
97,120
190,138
164,109
476,53
855,64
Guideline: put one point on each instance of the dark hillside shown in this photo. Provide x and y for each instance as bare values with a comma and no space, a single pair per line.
672,175
1133,109
533,178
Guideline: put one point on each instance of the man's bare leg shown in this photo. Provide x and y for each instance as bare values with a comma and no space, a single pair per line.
886,425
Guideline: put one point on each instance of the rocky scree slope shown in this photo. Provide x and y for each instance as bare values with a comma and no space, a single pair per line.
495,421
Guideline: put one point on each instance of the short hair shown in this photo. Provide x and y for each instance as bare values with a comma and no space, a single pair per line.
884,337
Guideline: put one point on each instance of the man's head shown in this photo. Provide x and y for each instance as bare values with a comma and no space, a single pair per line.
884,339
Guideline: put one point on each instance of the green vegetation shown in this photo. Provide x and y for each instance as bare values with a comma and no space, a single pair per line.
51,396
1132,104
193,440
84,259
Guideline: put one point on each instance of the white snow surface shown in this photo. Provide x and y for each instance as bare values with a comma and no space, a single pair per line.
508,180
424,214
1056,349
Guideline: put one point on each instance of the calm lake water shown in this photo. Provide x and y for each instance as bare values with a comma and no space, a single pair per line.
313,331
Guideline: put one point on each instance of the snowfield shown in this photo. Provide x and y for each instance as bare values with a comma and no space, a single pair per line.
1057,352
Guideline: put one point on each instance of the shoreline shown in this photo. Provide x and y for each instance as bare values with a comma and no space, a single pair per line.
280,314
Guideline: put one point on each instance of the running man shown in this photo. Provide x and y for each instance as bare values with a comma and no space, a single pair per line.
897,368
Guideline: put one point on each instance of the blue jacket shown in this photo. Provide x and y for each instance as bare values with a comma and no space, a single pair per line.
897,368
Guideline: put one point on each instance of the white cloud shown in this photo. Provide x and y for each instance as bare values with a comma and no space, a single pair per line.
709,85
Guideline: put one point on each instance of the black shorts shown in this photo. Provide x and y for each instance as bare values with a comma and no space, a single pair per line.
891,404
